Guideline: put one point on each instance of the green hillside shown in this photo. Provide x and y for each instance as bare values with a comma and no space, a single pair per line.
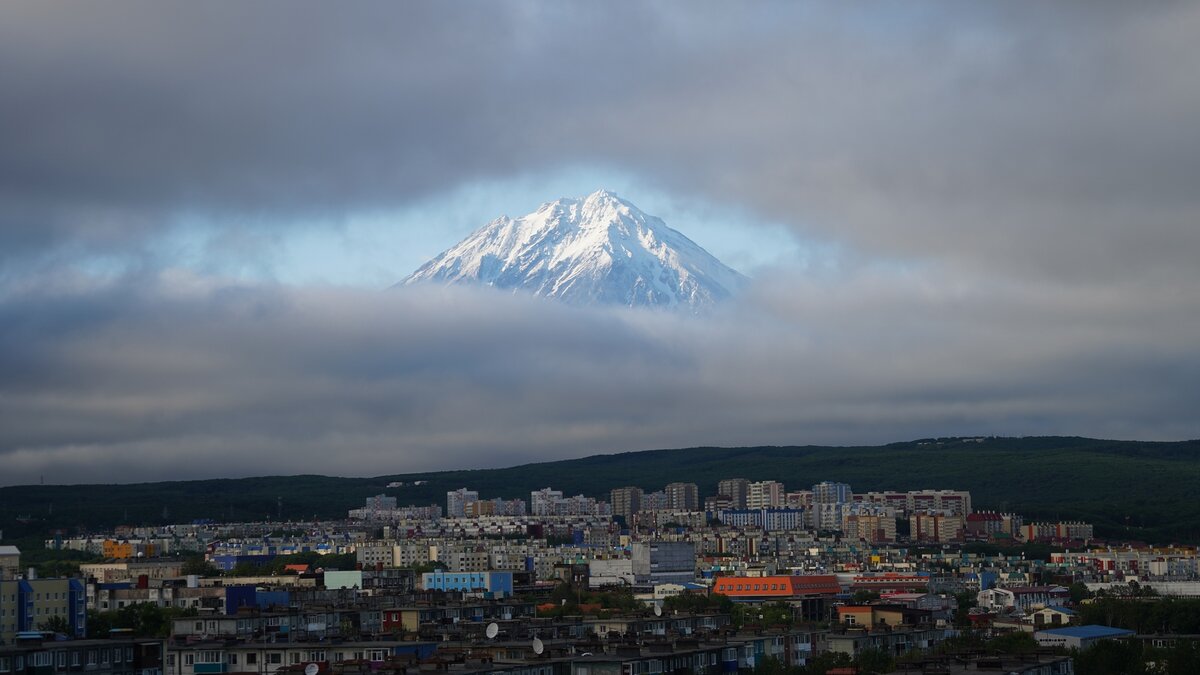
1127,488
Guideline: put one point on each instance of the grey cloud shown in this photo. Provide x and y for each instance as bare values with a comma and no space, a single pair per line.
1023,174
178,376
1049,140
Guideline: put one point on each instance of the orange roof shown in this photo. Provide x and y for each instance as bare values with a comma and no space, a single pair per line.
854,609
776,586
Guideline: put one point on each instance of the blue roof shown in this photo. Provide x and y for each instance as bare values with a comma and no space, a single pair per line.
1060,608
1088,632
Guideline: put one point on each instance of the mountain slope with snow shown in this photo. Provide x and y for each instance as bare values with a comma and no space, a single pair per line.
599,249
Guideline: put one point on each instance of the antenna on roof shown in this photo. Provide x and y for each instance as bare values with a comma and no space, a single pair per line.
492,631
538,646
311,669
657,609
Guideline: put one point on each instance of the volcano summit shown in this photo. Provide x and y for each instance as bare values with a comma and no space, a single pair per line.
599,249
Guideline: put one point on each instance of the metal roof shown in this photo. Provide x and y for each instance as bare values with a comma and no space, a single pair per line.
1088,632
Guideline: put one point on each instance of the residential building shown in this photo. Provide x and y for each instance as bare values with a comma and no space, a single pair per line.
497,583
457,500
656,562
626,501
829,500
654,501
114,656
737,489
767,494
27,604
1022,599
683,496
936,527
542,502
10,562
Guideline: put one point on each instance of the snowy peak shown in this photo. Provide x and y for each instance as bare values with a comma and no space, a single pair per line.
599,249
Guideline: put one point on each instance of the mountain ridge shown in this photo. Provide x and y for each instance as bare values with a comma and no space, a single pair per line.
1131,488
598,249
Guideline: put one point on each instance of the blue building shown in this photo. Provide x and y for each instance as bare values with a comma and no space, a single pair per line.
498,584
26,604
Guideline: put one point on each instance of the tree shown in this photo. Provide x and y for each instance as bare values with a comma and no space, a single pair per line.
1079,592
1016,642
199,566
99,623
1183,658
863,596
56,624
823,663
962,615
1111,657
874,661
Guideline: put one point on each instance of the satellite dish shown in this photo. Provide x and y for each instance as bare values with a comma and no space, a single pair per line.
492,631
311,669
538,646
658,610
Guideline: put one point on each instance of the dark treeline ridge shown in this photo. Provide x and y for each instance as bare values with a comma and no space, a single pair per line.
1128,489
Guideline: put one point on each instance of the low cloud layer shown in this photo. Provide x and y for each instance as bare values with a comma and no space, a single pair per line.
174,376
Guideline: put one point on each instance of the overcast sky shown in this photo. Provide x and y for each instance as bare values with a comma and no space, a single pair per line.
960,218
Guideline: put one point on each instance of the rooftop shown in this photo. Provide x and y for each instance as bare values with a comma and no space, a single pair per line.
1088,632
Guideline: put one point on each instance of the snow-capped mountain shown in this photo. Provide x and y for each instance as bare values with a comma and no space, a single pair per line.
599,249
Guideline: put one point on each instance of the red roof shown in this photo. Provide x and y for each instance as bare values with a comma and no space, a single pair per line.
976,517
777,586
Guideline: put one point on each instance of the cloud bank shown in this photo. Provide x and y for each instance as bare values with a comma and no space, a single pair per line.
179,376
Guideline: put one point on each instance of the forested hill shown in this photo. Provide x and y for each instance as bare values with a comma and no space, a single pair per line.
1127,488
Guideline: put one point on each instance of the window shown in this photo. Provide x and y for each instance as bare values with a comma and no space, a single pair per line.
189,659
251,659
91,657
75,657
233,659
60,659
170,660
294,658
129,654
275,658
4,664
40,659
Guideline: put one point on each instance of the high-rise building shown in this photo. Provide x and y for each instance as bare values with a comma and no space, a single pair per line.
829,499
654,501
457,500
737,489
626,501
828,492
543,502
682,496
767,494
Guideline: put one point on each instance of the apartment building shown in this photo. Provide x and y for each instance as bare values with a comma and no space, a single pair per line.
27,604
